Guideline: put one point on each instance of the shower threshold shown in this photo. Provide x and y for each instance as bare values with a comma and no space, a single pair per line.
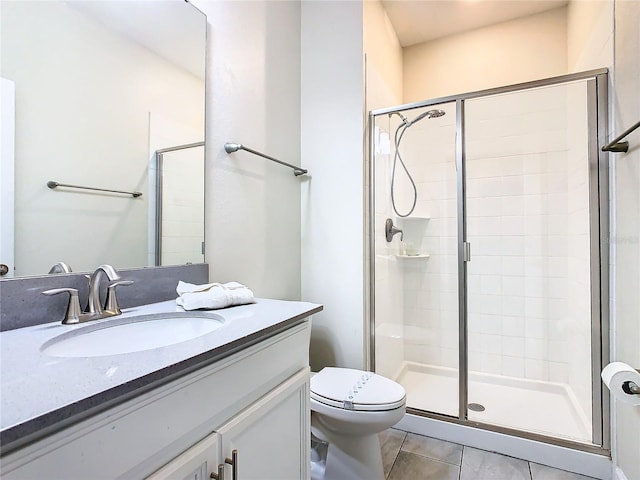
546,408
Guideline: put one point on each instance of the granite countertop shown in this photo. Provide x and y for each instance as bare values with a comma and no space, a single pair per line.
42,394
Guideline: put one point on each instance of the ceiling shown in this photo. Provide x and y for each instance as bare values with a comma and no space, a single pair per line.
417,21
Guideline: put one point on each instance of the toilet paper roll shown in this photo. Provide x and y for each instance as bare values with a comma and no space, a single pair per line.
615,375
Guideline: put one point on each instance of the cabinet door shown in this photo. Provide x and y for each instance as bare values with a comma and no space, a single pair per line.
271,436
196,463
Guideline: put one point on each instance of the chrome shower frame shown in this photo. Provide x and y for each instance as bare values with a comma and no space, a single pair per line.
159,159
597,98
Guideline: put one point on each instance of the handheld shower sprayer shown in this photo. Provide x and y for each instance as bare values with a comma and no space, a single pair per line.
402,128
428,113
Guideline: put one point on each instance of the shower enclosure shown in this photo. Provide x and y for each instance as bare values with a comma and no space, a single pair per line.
177,211
489,303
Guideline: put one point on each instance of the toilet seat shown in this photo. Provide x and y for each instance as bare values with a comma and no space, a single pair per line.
351,389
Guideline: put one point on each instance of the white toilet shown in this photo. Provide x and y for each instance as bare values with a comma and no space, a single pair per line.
348,410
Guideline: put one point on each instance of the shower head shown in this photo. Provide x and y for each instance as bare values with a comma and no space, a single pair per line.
427,114
435,113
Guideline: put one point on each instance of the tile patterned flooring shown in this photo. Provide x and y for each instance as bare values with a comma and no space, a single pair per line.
407,456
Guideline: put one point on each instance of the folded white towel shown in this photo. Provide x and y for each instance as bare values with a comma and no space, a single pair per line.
212,295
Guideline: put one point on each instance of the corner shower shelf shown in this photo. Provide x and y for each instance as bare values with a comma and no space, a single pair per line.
413,256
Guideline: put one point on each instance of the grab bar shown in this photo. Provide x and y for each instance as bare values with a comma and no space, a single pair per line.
616,145
51,184
234,147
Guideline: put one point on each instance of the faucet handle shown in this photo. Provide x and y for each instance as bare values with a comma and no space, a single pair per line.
73,312
111,302
390,230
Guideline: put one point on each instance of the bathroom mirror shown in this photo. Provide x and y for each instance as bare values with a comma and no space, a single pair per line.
93,90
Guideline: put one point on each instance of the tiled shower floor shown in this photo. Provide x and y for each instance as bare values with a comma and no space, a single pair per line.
407,456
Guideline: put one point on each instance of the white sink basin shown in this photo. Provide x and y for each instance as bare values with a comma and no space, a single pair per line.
132,334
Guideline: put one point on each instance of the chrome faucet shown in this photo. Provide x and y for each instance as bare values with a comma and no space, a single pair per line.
94,310
93,305
60,267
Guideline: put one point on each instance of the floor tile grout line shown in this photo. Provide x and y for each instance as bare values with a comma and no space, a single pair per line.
397,454
461,462
431,457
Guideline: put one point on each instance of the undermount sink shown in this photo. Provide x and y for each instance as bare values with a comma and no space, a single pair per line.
132,334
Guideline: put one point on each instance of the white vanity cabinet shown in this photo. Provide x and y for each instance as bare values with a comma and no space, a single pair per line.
197,463
271,437
255,401
267,440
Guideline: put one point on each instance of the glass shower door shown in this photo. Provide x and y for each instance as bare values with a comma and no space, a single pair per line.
415,274
529,285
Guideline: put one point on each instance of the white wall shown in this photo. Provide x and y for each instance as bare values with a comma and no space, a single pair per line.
332,135
625,237
253,98
589,34
384,58
520,50
58,137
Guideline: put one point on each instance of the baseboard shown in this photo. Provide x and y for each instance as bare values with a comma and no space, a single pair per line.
583,463
619,474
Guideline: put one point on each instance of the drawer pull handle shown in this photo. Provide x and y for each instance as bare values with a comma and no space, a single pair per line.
233,461
220,474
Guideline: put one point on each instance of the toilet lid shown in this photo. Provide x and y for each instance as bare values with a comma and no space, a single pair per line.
356,390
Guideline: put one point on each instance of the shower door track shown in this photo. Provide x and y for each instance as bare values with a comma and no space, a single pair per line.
538,437
597,98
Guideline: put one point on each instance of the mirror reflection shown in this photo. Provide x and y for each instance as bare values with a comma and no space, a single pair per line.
90,92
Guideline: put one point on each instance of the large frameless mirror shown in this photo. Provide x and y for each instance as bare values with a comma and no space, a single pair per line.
91,90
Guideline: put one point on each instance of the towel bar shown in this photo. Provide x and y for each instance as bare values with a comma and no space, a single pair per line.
234,147
51,184
616,145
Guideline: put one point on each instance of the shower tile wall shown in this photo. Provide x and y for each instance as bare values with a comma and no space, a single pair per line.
517,215
527,194
431,284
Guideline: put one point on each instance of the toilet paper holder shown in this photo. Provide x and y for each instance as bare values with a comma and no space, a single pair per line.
631,388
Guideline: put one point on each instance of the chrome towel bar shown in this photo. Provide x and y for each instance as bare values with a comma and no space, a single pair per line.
51,184
616,145
234,147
